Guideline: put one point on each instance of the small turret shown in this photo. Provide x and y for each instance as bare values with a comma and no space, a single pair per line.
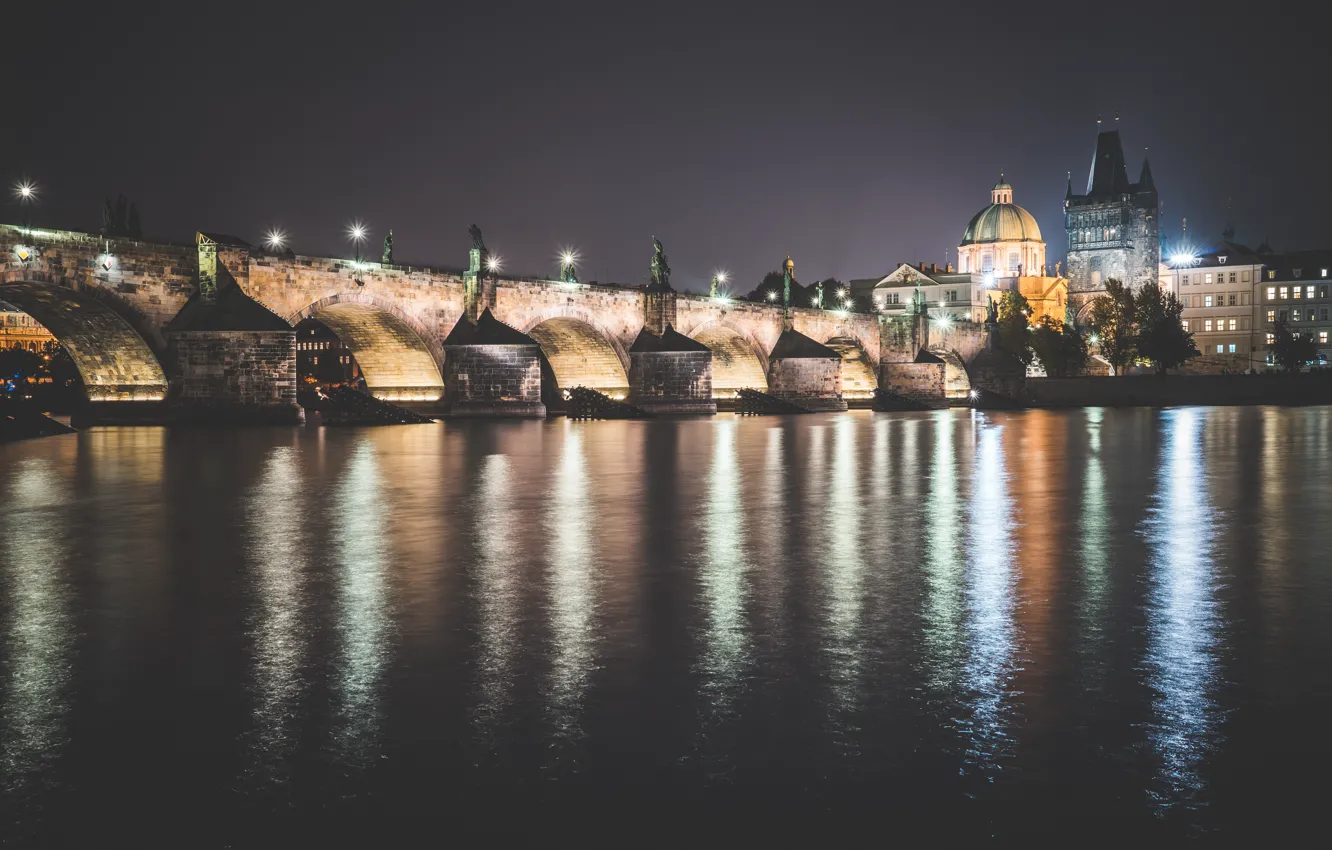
1145,182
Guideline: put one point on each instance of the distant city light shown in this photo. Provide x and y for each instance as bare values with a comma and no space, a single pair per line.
276,238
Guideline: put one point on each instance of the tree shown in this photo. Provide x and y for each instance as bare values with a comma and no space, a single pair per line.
1292,351
1111,320
1015,325
1060,346
769,291
1162,338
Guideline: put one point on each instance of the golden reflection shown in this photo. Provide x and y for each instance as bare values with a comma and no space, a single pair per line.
1182,621
497,593
991,634
727,647
279,627
842,565
363,616
942,553
38,630
569,521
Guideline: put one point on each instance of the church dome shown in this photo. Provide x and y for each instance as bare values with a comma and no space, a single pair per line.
1002,220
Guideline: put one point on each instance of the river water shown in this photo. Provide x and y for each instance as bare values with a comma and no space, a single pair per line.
954,626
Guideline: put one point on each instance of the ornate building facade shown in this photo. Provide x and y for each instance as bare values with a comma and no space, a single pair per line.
1113,229
1003,239
19,330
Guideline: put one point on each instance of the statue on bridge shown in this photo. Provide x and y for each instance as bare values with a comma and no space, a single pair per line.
992,312
478,244
387,258
661,270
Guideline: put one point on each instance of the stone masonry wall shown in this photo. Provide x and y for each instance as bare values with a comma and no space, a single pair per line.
920,382
671,381
246,376
805,378
493,379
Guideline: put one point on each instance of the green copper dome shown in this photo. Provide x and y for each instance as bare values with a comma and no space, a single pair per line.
1002,220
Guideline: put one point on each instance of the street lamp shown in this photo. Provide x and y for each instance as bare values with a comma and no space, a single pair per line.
356,232
494,263
719,278
26,193
568,265
275,239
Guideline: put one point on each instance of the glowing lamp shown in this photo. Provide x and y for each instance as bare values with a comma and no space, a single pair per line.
493,263
25,191
1182,259
107,261
721,276
772,295
23,253
1093,339
356,232
276,239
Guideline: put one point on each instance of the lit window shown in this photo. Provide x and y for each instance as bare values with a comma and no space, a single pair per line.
1234,324
1185,323
1324,273
1308,292
1296,293
1207,325
1207,278
1281,293
1232,348
1207,301
1270,339
1271,293
1322,337
1219,348
1271,275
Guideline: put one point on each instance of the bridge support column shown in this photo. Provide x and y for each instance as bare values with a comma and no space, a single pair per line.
242,377
492,370
805,372
670,373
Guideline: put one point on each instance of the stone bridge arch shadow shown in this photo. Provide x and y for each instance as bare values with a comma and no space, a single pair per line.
739,362
399,358
118,355
577,351
859,374
957,383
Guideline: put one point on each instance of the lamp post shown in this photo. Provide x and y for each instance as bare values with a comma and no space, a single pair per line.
26,192
356,232
718,279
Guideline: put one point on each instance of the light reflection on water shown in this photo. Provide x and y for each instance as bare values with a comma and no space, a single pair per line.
280,626
573,583
1183,616
968,610
364,621
37,635
991,635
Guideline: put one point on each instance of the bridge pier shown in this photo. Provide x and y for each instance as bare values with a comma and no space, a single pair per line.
805,372
670,373
491,370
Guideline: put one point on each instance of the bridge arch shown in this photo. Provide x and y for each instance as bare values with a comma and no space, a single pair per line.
738,361
115,360
858,374
578,353
957,383
399,358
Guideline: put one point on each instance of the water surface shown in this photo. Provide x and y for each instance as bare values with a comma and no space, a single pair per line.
945,626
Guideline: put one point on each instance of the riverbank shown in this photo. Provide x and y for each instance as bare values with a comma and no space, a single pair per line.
1178,390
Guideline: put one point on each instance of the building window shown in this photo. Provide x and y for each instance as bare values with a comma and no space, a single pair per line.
1234,324
1322,337
1296,293
1232,299
1271,275
952,295
1322,292
1207,299
1282,316
1185,280
1207,278
1271,293
1308,292
1270,338
1322,315
1281,293
1207,325
894,298
1219,348
1232,348
1244,276
1185,323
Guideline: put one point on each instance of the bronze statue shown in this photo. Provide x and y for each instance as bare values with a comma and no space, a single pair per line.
478,244
661,271
992,312
387,258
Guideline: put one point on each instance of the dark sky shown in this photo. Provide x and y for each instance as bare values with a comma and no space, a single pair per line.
851,137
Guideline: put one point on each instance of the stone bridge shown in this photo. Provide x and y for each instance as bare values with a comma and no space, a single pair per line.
212,322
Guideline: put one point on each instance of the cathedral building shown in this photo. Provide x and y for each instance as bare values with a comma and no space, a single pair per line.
1001,249
1113,228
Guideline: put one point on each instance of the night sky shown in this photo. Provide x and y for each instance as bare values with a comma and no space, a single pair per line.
851,138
